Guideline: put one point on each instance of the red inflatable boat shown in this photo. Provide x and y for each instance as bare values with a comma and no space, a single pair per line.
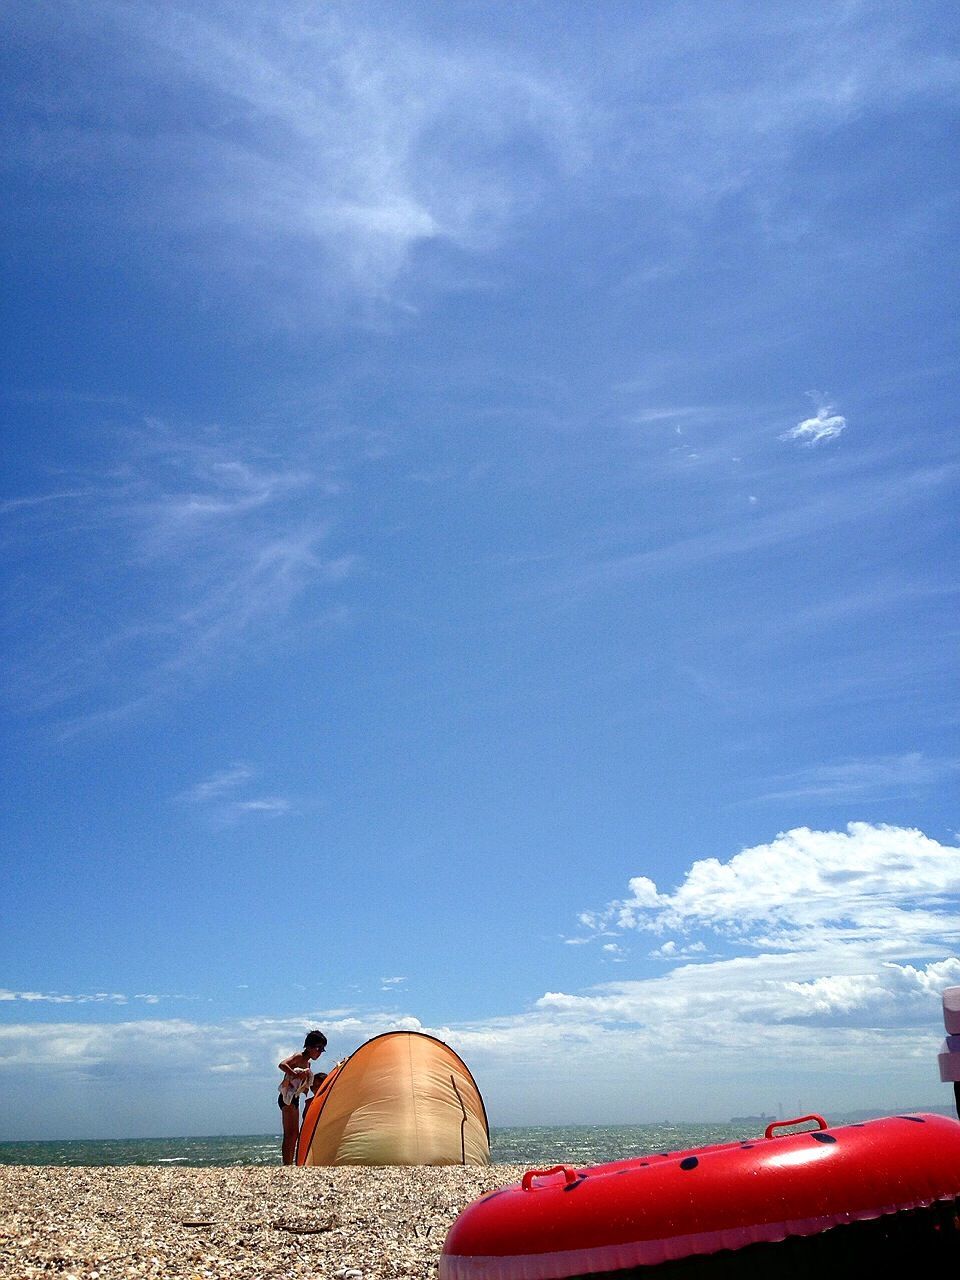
847,1201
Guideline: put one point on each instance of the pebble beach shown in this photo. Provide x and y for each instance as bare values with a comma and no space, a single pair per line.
348,1223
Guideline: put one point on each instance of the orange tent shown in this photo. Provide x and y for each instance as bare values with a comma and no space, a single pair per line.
401,1098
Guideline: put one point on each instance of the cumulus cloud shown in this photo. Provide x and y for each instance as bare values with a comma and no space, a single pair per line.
673,950
745,999
879,885
846,938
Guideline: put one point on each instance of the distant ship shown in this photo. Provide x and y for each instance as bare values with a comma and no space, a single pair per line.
761,1119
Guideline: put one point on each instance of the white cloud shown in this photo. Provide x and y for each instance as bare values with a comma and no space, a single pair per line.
647,416
272,805
828,951
10,505
673,950
213,788
224,796
825,425
59,997
884,887
772,989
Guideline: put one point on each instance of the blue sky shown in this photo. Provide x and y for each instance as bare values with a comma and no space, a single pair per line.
479,552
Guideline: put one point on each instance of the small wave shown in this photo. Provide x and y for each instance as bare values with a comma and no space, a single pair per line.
172,1159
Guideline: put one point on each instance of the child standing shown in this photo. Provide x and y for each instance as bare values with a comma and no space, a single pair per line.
296,1081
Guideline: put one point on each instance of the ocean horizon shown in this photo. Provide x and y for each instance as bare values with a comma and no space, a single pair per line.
579,1145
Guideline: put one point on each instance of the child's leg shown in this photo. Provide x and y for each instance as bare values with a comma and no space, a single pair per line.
291,1131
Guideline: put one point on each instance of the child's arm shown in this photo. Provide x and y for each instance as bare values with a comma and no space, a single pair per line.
294,1067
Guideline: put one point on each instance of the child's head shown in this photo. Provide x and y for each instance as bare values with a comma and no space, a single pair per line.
314,1044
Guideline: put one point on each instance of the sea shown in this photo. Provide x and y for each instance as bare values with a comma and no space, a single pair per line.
533,1145
537,1146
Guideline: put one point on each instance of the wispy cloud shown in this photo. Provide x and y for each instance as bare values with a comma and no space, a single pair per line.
327,153
9,505
751,531
59,997
881,598
750,105
229,795
272,805
324,152
647,417
876,777
212,542
214,787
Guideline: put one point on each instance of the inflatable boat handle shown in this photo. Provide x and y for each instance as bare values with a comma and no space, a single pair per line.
783,1124
569,1175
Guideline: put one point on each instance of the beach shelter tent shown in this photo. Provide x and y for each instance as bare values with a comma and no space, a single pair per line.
401,1098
